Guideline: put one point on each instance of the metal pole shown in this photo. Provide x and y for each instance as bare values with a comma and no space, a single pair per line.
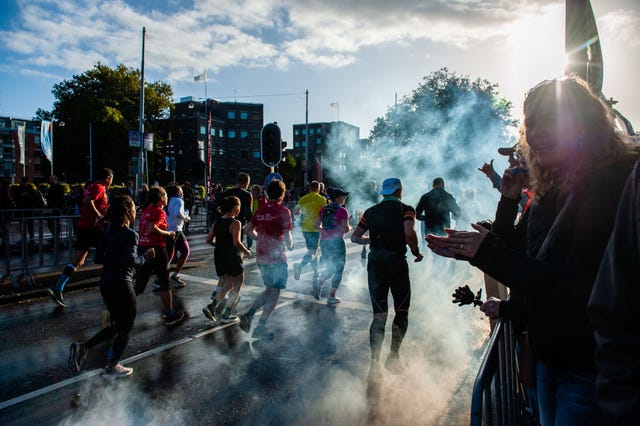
141,120
90,153
306,138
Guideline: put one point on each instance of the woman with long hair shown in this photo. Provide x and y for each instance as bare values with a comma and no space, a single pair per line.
571,143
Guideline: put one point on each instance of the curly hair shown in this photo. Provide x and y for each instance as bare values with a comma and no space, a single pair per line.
121,207
599,145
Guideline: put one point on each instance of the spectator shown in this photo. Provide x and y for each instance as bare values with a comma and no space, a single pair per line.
55,202
614,313
27,201
571,143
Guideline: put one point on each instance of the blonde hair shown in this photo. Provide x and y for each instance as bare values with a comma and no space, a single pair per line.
600,144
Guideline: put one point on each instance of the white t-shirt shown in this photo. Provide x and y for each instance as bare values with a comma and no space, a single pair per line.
175,214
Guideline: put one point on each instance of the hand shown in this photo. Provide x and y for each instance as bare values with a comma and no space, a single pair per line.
491,308
487,168
512,184
464,296
418,256
172,235
462,243
150,253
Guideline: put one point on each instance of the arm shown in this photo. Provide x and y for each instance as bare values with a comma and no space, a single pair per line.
156,230
130,251
412,239
420,208
288,238
211,235
250,229
358,236
344,224
234,229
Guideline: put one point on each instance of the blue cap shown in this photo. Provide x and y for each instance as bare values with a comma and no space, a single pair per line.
390,185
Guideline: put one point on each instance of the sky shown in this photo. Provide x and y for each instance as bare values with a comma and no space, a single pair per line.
359,54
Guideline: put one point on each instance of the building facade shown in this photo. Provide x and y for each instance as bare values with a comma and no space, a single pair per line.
234,141
315,145
32,163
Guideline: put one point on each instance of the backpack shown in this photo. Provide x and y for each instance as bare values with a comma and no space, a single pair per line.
327,216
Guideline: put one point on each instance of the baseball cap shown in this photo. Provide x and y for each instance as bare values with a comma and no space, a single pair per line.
390,185
337,192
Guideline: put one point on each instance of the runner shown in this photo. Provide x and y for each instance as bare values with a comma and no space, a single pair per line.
117,252
225,235
176,217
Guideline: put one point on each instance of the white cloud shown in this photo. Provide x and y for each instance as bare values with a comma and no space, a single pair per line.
214,35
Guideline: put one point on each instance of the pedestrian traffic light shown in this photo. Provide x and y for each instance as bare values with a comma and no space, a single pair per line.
271,145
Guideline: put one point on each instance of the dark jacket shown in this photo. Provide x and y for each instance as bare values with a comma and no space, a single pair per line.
245,202
435,208
118,253
559,280
615,315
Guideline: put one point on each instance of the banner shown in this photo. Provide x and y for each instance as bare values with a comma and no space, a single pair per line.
46,139
134,139
582,43
148,141
21,143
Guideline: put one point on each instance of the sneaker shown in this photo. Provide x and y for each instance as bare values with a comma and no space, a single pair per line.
245,322
56,296
77,354
334,300
176,282
105,319
115,371
209,311
297,269
228,318
262,332
156,284
222,305
393,364
317,288
174,319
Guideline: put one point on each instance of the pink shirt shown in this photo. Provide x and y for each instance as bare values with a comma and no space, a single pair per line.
271,222
152,214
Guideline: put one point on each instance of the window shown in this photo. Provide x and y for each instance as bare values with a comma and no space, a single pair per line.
256,136
231,134
296,144
203,130
213,132
296,132
304,131
319,141
257,173
231,115
319,130
231,153
244,154
221,133
255,116
312,131
256,154
244,134
244,115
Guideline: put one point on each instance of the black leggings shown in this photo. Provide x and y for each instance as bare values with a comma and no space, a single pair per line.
158,265
121,303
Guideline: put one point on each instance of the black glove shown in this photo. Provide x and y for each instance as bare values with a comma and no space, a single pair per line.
464,296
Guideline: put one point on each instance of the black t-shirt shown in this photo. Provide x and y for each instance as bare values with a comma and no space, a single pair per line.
245,202
385,223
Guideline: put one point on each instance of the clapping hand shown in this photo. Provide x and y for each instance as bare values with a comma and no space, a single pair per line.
464,296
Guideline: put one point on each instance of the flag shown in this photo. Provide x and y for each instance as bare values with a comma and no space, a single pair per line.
21,143
46,139
334,104
200,77
318,170
582,44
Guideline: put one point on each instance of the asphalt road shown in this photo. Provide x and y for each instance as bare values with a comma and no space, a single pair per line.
312,373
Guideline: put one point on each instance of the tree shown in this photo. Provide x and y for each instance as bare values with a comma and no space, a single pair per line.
107,99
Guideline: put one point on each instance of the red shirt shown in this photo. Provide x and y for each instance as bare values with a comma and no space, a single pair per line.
152,215
98,194
271,221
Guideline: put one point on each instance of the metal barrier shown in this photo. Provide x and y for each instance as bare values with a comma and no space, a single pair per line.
498,398
34,241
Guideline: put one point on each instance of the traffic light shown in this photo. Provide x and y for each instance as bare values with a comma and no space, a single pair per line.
271,145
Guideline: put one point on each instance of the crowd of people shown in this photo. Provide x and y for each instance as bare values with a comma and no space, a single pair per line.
569,257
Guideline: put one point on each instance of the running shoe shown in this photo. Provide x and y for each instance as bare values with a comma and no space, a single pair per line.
333,300
115,371
56,296
393,364
228,318
209,311
262,332
77,354
245,322
174,319
297,269
176,282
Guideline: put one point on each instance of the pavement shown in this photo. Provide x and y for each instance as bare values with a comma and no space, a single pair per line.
313,372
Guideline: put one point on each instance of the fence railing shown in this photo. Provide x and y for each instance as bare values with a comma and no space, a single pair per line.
498,397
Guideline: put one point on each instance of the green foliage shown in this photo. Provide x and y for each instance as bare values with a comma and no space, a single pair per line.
109,99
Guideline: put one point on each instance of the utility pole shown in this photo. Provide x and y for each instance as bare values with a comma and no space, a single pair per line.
141,120
306,139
